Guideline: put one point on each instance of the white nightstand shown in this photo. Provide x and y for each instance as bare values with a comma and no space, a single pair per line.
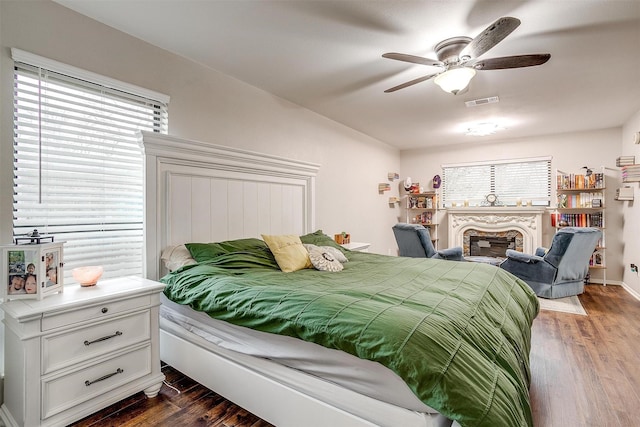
72,354
357,246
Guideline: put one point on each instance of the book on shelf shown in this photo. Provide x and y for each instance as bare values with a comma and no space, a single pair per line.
579,200
581,220
573,181
625,161
631,173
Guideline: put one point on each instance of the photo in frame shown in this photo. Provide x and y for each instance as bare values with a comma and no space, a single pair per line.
32,271
22,279
596,203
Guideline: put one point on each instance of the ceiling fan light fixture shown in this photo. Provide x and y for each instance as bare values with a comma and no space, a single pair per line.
455,79
483,129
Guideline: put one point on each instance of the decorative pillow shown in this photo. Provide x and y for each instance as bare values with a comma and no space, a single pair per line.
324,260
288,251
318,238
206,251
336,253
177,256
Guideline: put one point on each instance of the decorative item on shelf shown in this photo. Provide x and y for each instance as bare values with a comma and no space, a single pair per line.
596,203
407,184
87,276
393,200
32,270
33,237
491,200
382,187
342,238
392,176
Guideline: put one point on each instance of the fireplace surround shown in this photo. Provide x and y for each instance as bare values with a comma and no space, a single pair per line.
523,224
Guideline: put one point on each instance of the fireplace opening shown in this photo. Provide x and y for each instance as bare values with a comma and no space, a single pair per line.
490,246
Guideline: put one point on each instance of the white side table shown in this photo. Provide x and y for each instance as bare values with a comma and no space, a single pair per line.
357,246
74,353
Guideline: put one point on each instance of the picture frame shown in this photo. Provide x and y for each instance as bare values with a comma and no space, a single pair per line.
596,203
32,271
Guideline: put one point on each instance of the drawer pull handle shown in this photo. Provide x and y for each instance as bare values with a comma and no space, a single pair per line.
104,310
117,334
118,371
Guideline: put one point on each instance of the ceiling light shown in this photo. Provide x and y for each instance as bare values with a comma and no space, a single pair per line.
483,129
455,79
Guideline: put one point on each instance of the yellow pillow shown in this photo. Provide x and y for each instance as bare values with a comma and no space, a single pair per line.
288,252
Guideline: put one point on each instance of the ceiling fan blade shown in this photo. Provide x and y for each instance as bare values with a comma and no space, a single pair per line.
413,59
517,61
411,83
490,37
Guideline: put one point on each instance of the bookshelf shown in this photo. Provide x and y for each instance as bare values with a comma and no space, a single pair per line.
422,208
581,203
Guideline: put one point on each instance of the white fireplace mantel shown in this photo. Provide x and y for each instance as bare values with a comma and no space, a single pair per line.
527,220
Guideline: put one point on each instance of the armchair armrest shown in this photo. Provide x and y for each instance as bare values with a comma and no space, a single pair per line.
522,257
451,254
541,251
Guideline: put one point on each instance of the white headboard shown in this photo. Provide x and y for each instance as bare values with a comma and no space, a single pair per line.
201,192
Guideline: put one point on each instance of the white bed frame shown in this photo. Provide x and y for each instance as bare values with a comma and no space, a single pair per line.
199,192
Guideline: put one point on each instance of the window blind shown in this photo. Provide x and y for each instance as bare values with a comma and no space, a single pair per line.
521,180
78,168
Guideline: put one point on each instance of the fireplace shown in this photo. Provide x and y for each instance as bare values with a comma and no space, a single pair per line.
495,229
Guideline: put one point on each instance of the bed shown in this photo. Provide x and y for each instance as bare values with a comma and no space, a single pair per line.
197,192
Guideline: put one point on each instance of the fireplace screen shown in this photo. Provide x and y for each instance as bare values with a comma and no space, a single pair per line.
491,244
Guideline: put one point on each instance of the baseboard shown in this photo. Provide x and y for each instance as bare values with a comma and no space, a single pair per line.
632,291
609,282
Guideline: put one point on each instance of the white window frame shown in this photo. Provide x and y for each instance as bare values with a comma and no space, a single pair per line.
38,132
514,181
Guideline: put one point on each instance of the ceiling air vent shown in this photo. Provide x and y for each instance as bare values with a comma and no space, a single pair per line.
482,101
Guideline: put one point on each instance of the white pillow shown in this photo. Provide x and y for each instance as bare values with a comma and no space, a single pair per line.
177,256
324,261
337,253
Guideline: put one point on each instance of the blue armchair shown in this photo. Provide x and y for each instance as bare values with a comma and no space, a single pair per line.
560,271
414,241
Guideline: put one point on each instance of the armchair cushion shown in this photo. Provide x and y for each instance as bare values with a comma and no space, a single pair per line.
452,254
522,257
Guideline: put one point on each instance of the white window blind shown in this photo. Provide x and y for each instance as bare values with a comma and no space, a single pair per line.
78,168
521,180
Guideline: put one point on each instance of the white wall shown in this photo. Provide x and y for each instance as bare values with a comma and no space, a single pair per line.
208,106
631,209
570,152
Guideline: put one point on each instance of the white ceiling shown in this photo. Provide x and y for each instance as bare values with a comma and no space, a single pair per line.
326,56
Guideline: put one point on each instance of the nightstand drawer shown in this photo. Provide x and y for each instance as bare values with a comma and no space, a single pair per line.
94,313
66,391
71,348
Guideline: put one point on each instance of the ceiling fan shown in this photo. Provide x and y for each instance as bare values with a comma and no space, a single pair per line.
458,58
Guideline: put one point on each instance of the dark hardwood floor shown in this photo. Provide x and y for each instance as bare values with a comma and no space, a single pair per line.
585,370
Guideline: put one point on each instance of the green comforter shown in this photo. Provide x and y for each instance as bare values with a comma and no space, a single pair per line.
458,333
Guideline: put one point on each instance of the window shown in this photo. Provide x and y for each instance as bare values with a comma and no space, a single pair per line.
512,181
78,168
